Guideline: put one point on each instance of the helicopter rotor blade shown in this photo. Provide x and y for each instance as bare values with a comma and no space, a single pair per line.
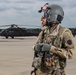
26,26
30,25
4,25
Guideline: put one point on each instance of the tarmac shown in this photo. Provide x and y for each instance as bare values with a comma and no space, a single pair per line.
16,56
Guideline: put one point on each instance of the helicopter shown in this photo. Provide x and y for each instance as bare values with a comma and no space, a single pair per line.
16,31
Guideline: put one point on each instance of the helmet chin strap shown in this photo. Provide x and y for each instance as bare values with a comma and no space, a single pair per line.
51,24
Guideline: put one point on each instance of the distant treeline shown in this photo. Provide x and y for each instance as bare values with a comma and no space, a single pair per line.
73,31
38,30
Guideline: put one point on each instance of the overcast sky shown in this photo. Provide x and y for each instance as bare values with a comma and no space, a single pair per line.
25,12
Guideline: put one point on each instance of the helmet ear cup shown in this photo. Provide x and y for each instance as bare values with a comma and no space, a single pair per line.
59,18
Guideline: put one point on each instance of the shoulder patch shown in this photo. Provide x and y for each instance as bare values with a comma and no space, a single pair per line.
69,42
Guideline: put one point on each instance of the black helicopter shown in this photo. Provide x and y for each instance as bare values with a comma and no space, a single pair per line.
15,31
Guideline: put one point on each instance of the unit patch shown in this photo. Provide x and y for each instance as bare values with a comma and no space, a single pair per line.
69,42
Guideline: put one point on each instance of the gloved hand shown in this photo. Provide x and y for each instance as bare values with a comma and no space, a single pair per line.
46,47
42,47
38,47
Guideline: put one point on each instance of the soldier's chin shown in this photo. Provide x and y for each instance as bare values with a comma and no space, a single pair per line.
43,24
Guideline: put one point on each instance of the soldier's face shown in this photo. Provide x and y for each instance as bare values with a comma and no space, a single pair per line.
43,21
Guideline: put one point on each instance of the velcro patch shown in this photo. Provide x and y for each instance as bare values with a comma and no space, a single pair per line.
69,42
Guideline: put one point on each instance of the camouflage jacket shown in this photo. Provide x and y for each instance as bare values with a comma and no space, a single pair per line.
60,38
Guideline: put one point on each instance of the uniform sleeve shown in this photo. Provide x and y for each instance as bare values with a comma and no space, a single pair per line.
68,50
39,38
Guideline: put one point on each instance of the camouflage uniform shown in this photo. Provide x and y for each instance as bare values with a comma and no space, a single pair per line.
61,40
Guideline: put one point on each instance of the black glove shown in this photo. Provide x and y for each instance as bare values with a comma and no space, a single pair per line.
46,47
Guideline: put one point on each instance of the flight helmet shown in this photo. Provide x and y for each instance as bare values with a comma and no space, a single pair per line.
53,13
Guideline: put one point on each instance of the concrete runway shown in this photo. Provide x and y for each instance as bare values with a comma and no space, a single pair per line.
16,56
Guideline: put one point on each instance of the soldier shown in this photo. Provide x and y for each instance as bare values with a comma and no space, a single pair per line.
55,39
